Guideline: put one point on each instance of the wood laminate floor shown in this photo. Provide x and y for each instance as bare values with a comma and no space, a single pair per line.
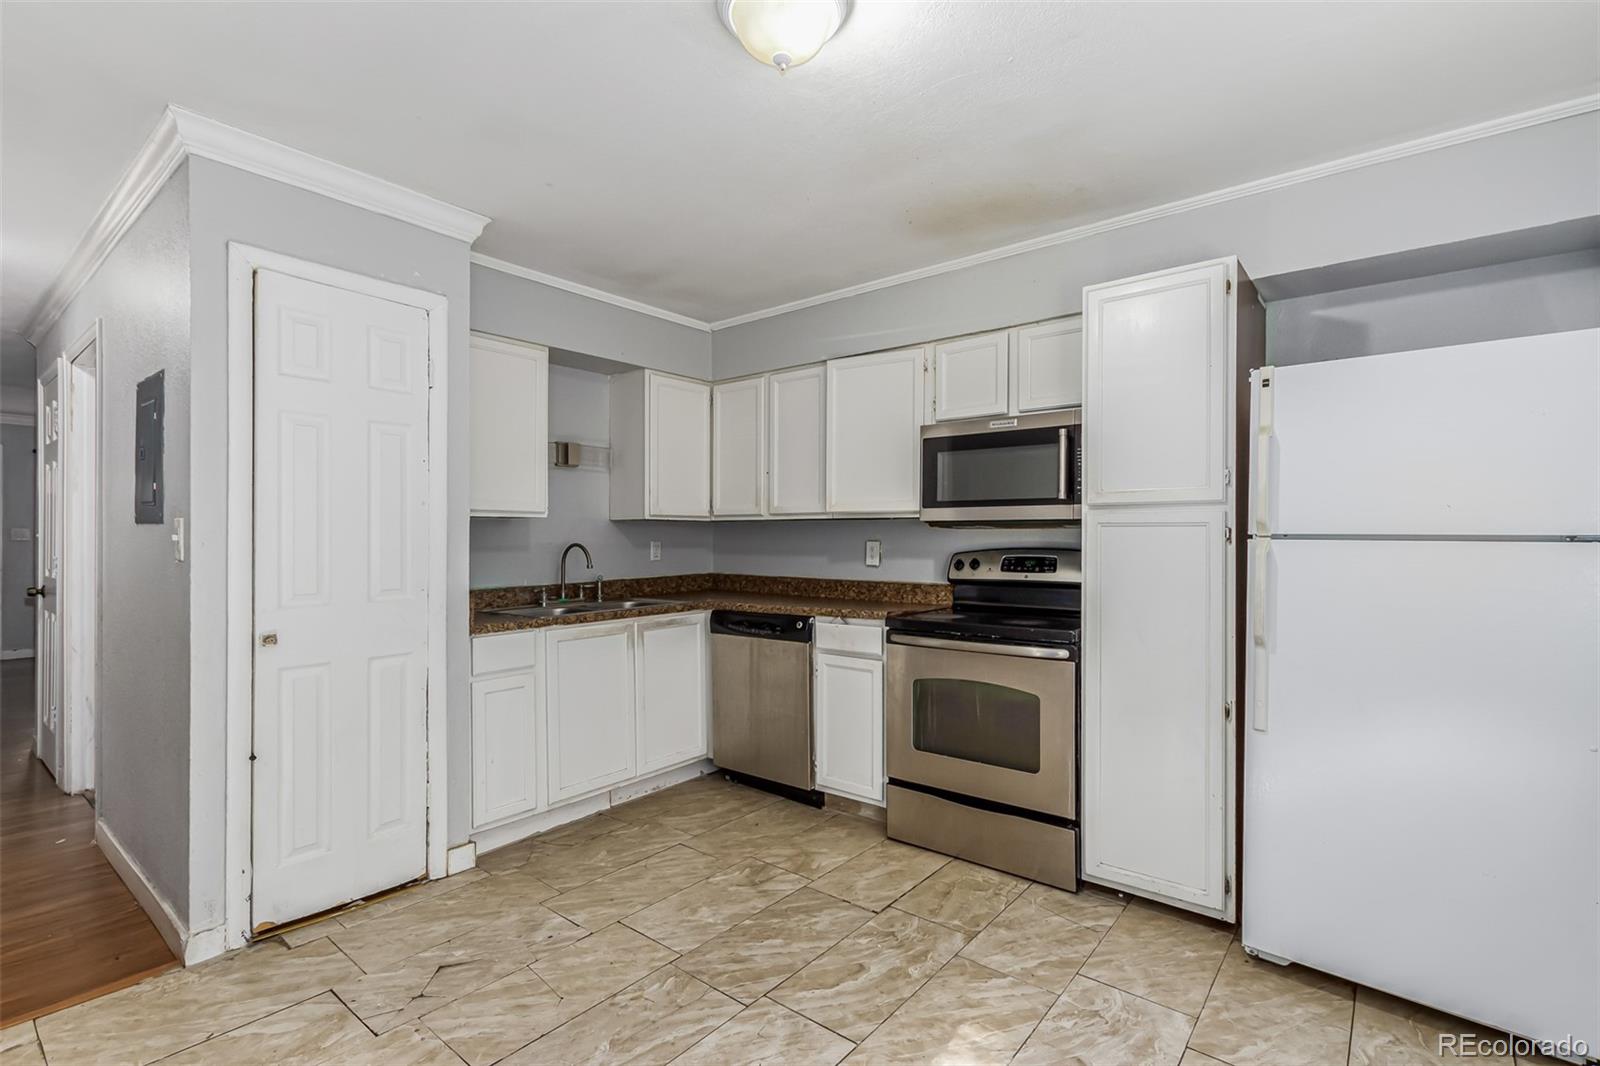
69,928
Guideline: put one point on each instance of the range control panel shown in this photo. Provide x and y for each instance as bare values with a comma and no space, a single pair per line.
1062,566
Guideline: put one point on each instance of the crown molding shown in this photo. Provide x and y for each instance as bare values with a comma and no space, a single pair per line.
150,169
1507,124
587,290
181,133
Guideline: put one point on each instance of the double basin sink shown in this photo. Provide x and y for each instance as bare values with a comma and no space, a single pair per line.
571,607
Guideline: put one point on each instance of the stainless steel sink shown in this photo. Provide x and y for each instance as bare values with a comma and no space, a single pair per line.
571,607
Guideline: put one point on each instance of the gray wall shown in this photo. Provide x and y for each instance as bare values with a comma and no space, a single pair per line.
1546,295
16,610
232,205
522,551
832,547
512,306
141,296
1515,181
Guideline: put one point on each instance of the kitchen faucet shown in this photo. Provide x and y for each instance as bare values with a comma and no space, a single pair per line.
588,564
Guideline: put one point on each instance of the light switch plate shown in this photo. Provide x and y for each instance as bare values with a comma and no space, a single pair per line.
874,553
655,550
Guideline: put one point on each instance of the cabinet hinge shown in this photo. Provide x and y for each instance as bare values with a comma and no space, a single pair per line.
1228,535
430,371
1227,886
1227,710
1228,287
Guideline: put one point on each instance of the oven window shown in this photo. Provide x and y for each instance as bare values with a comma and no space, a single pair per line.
976,722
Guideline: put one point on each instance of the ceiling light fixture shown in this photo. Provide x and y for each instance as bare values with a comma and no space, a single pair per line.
783,33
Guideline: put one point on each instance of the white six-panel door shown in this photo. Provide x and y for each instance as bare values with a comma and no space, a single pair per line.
48,678
341,596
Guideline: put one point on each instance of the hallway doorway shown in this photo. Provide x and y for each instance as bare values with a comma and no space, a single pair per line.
69,929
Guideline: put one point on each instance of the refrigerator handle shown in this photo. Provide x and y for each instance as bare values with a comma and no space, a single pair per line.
1258,634
1261,474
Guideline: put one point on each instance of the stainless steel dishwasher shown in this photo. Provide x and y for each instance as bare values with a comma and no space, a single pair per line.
761,696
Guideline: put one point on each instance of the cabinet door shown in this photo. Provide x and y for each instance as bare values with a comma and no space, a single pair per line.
673,695
875,433
1157,759
971,376
849,723
589,713
797,438
1157,369
505,763
738,447
1049,365
680,447
509,427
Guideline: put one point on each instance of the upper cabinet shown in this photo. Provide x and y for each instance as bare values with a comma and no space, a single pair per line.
510,412
660,446
738,448
797,420
1017,371
970,377
1047,365
874,444
1157,369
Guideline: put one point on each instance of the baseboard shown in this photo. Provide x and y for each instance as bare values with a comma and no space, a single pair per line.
459,858
166,921
16,653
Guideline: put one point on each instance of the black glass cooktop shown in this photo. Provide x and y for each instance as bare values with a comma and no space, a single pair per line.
1002,624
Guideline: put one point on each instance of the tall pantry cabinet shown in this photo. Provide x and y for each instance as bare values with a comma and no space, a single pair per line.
1167,358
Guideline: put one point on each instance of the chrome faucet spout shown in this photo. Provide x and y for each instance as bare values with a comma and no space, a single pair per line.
561,576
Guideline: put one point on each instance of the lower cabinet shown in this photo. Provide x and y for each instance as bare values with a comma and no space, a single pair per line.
589,707
670,677
848,703
504,747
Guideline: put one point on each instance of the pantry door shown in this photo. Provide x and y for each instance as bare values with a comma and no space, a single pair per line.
339,789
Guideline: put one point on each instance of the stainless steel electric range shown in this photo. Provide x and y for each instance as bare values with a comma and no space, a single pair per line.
981,707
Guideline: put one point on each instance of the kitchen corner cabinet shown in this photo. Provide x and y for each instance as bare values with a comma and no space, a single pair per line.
589,701
797,427
509,428
673,691
738,448
971,376
874,441
660,446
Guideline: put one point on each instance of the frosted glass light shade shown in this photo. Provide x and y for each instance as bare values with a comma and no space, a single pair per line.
782,33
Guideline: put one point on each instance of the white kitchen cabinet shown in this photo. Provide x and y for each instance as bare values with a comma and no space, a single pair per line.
589,707
1047,365
673,691
660,446
874,441
1158,747
972,376
739,448
797,419
847,698
509,427
505,755
1158,364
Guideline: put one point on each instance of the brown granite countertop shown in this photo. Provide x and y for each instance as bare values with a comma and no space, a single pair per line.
725,592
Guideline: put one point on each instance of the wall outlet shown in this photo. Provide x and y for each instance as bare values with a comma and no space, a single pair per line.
655,550
874,553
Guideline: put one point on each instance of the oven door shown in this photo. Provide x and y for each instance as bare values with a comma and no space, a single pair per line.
993,722
1022,469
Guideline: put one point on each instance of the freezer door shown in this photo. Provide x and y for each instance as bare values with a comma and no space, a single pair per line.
1500,438
1422,813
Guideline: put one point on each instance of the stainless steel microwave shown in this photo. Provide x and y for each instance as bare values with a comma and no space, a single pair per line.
1022,470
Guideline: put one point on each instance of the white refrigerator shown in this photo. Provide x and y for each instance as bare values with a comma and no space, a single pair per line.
1422,691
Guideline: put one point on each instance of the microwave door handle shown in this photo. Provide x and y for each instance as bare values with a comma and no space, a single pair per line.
1061,463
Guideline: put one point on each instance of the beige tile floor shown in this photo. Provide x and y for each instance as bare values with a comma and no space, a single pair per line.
714,924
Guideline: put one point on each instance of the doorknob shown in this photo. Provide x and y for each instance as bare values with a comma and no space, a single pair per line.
268,639
38,590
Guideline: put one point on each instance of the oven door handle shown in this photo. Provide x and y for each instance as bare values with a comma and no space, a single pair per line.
1020,651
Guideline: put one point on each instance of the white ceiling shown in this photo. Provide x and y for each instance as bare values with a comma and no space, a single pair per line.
635,148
